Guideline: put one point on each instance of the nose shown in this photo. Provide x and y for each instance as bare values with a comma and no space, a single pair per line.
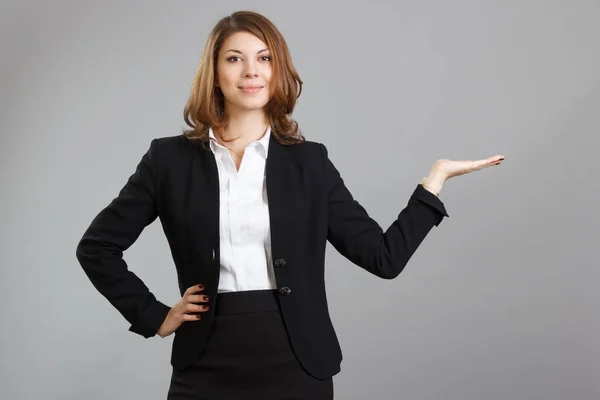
250,69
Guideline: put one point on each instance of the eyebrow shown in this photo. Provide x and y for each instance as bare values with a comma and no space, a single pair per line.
237,51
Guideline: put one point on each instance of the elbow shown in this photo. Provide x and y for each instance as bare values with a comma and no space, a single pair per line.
390,270
86,251
80,253
390,274
83,248
389,260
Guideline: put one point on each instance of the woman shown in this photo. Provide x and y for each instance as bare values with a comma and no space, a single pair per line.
247,206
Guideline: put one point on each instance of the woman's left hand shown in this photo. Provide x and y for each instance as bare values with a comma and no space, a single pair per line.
449,168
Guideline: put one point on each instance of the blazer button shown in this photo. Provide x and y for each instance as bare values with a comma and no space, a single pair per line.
280,262
285,291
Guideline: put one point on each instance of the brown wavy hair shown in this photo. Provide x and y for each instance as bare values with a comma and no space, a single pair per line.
205,106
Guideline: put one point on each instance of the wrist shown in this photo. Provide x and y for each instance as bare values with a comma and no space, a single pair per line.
433,184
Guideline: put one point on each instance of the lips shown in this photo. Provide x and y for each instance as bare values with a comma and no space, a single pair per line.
251,89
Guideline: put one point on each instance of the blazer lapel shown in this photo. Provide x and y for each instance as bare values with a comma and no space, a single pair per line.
287,200
211,191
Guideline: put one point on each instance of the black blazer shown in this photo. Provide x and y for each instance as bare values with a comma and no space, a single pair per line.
309,205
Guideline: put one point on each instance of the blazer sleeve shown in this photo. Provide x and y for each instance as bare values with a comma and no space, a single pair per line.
114,230
359,238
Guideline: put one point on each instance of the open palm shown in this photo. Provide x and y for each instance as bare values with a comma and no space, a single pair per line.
451,168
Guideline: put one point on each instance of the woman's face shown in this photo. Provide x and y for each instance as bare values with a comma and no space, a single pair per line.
243,72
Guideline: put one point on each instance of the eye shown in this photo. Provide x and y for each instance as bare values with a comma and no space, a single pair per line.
268,58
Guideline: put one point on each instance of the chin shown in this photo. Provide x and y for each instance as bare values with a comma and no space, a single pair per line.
252,105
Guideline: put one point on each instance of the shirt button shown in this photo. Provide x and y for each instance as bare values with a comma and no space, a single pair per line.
285,291
280,262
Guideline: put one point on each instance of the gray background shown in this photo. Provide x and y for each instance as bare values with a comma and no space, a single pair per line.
499,302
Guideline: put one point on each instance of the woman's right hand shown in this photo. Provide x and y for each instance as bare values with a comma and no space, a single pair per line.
179,312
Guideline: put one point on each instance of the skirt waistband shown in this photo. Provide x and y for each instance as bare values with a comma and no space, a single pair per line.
246,301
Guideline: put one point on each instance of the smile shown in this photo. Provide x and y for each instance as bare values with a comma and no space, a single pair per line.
251,89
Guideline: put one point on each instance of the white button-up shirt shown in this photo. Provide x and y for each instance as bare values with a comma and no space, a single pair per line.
245,236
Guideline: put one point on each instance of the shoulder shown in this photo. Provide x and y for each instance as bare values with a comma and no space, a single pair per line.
174,142
307,152
306,147
174,147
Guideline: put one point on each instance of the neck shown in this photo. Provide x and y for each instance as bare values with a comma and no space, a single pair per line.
244,128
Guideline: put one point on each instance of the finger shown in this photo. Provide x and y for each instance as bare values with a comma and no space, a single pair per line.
198,298
488,162
191,317
194,289
495,159
196,307
476,165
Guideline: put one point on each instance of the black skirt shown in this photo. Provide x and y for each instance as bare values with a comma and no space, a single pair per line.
248,355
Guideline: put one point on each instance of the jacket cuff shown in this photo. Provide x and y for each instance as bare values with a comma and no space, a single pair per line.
151,319
433,201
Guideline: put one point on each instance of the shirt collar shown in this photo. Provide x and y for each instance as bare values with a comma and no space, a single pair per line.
263,141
